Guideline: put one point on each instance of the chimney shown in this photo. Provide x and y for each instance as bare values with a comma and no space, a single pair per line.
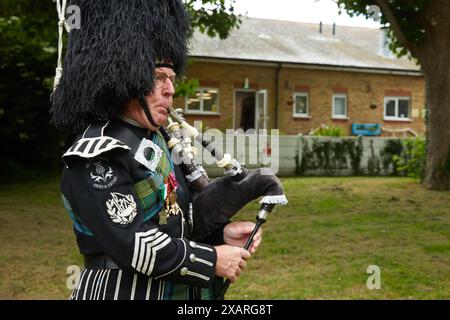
334,28
320,27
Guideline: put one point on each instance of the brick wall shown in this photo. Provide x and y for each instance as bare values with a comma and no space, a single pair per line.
228,78
365,95
365,98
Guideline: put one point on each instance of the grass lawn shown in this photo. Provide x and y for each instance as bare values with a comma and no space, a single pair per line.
319,246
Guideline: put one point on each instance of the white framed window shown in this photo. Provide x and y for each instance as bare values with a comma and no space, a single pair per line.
301,105
397,108
339,106
205,100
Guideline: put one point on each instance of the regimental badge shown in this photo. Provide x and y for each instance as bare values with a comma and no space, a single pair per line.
148,154
102,175
121,208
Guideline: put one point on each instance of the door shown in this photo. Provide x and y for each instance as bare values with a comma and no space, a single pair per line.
261,110
244,110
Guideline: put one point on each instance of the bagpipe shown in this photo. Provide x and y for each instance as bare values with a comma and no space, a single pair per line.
215,201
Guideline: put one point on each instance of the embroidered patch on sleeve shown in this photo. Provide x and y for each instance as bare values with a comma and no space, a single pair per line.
121,208
101,174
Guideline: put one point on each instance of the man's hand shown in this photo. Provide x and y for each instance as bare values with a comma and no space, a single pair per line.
230,261
237,233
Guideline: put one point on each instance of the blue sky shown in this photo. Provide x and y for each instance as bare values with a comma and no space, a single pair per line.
312,11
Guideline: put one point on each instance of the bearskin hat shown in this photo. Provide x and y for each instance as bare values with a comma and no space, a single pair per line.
111,59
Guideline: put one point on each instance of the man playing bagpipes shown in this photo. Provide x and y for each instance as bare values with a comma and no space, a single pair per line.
129,203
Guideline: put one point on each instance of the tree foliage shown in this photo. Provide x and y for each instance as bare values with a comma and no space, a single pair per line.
408,15
27,64
213,17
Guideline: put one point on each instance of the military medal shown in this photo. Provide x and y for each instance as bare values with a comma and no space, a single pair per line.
174,208
173,197
163,214
170,206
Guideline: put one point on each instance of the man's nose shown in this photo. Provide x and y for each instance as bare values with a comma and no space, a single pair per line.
168,88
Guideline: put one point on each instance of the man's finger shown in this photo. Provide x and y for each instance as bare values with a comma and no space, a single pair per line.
242,264
232,279
245,254
247,227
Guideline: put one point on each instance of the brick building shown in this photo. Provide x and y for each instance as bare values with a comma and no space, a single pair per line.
296,77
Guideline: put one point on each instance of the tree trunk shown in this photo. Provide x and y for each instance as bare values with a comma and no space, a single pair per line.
435,62
437,173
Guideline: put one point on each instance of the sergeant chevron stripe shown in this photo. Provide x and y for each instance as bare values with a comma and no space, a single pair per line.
92,147
146,245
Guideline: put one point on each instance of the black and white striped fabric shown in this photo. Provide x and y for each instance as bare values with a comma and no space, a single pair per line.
116,284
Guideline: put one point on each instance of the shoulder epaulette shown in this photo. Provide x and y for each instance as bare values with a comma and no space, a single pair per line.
92,147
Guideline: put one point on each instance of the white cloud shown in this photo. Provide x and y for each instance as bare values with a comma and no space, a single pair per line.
312,11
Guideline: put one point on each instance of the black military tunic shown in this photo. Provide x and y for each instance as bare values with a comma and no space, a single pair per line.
118,187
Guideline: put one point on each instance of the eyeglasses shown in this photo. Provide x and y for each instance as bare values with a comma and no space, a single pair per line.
161,77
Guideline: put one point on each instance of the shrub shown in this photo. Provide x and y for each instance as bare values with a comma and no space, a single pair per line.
327,131
412,160
393,148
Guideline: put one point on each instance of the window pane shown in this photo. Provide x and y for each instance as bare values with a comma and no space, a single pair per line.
339,106
193,102
210,100
390,108
301,105
403,108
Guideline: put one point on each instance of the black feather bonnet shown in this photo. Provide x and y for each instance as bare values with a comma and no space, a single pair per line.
111,59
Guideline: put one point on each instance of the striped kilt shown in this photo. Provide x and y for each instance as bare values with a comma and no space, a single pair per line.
115,284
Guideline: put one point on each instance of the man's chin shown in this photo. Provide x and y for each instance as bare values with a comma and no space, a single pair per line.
160,120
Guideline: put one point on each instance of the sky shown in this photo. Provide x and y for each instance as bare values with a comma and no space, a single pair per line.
312,11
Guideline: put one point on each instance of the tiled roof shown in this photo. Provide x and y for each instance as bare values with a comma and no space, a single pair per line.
296,42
